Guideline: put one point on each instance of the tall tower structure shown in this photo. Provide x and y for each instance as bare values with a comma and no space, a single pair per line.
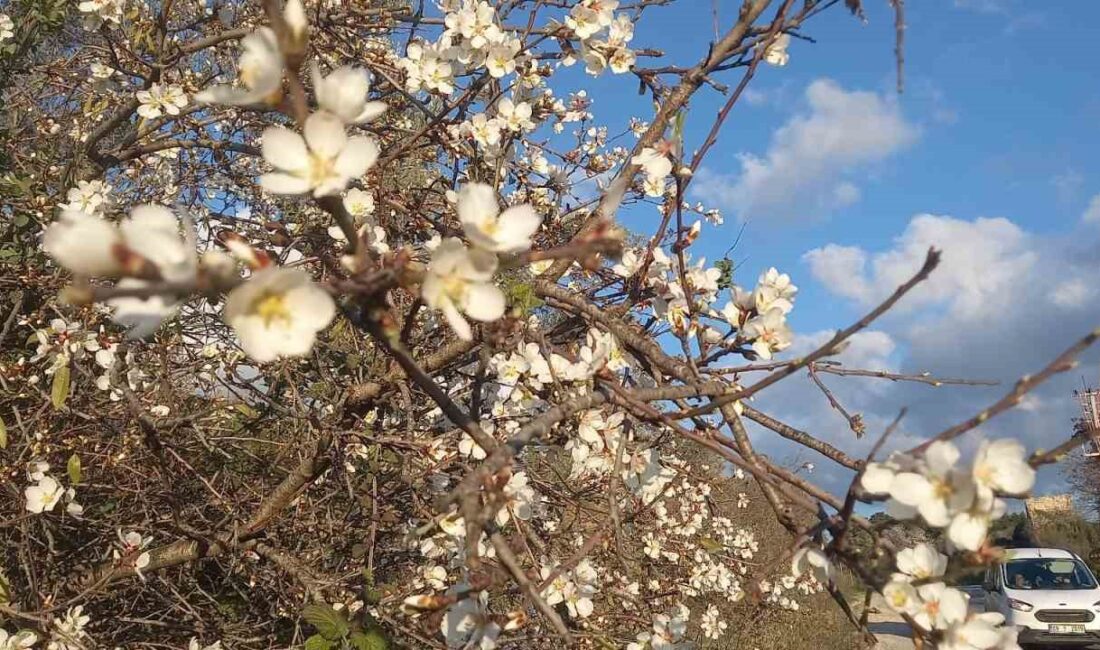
1088,422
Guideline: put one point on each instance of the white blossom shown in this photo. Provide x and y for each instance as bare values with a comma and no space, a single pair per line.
939,491
43,496
259,69
776,51
475,21
88,196
513,116
278,312
810,559
940,606
502,232
18,641
68,631
7,27
460,281
83,243
1001,466
323,162
920,562
344,94
768,332
426,68
359,203
500,60
160,100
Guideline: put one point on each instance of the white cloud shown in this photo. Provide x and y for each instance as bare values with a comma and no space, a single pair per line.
1092,212
1004,303
754,97
845,194
1067,184
869,349
982,260
802,174
983,6
1071,294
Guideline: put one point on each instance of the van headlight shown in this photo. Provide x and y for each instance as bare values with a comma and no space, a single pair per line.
1096,605
1021,606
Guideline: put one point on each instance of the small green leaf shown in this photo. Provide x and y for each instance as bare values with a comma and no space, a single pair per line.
372,639
74,469
710,545
330,623
59,391
3,434
246,410
521,296
725,266
318,642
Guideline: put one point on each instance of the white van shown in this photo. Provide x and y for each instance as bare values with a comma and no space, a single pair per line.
1049,593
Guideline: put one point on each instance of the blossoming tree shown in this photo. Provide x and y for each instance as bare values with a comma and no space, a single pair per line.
340,289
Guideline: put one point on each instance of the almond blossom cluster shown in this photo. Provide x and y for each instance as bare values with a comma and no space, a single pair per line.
917,591
963,499
758,318
459,280
46,493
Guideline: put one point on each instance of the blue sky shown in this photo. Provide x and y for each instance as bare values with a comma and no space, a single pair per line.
990,154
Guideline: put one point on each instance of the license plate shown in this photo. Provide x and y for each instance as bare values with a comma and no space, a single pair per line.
1067,629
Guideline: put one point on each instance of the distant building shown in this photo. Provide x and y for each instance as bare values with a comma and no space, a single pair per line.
1044,512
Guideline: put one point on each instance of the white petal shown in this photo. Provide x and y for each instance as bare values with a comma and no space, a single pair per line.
371,111
325,135
278,183
934,512
877,478
477,203
941,456
967,531
227,95
358,156
285,149
517,225
312,307
484,302
910,488
456,321
256,340
82,243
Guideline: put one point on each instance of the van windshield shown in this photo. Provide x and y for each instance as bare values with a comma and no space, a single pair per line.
1048,573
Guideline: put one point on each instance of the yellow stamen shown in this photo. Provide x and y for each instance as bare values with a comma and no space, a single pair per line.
320,169
271,307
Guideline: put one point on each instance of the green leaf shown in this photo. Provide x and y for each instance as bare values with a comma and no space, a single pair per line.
3,434
372,639
725,266
330,623
521,296
246,410
318,642
59,391
74,469
710,545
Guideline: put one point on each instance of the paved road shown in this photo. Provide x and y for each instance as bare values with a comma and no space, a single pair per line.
893,633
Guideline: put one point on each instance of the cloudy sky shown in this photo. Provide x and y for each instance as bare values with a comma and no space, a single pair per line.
990,154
